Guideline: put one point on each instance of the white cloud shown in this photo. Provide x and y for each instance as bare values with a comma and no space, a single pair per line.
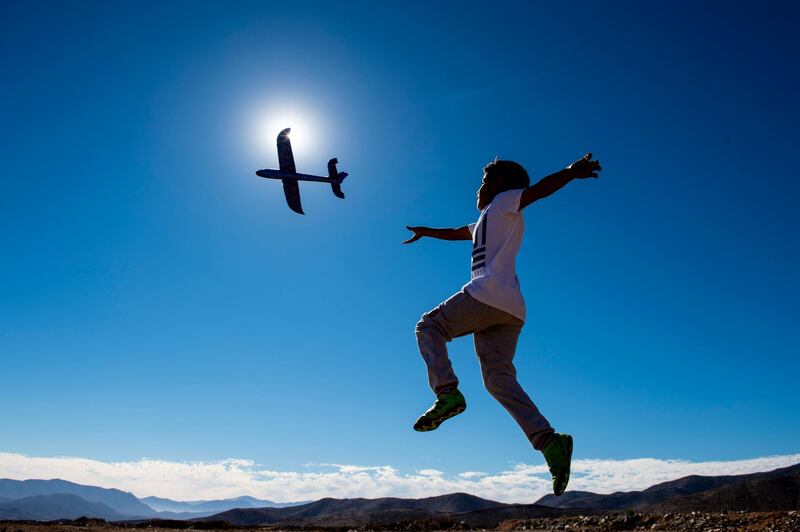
430,473
523,483
472,474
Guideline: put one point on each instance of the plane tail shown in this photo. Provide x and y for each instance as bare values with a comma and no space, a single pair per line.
336,178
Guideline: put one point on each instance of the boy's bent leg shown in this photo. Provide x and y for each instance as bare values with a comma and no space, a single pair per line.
495,347
459,315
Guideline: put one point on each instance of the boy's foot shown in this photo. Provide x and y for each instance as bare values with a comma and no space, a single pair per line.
447,405
558,453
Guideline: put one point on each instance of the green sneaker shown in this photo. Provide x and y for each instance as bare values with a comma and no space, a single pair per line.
558,453
447,405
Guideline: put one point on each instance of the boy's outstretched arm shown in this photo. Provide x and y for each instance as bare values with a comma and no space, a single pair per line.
580,169
460,233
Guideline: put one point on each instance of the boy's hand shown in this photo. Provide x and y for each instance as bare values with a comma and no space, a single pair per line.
417,234
460,233
585,167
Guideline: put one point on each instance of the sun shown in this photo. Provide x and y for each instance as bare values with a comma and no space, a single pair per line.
270,121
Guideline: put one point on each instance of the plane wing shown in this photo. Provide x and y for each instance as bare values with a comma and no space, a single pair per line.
291,189
285,157
292,192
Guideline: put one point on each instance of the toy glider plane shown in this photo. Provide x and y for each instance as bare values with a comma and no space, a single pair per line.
289,176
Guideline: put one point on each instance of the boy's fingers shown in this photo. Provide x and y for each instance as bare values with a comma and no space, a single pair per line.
588,156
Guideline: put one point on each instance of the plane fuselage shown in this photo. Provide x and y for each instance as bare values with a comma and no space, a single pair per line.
277,174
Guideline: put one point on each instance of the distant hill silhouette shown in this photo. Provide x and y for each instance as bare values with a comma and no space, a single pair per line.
59,506
660,493
122,505
754,495
125,504
209,507
351,508
120,501
445,510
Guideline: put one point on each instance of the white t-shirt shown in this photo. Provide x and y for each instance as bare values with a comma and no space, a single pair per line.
496,238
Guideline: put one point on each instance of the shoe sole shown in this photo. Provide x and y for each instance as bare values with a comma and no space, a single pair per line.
433,425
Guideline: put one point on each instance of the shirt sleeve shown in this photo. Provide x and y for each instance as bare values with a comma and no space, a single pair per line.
508,202
471,228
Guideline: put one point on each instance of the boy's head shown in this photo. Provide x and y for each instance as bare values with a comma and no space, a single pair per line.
499,176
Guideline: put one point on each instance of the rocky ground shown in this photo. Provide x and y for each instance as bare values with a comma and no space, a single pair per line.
694,521
700,521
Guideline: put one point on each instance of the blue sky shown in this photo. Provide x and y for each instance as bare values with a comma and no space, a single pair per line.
159,300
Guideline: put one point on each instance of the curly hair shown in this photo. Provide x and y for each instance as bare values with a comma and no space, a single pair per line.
510,174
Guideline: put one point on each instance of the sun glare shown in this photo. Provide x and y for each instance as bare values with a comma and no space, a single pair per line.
269,122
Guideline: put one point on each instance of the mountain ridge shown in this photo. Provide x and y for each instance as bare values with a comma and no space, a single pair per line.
162,504
122,502
328,507
55,506
658,493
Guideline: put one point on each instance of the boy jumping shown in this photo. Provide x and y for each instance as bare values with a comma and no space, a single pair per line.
490,306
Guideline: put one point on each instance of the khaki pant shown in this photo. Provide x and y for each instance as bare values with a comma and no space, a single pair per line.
495,333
